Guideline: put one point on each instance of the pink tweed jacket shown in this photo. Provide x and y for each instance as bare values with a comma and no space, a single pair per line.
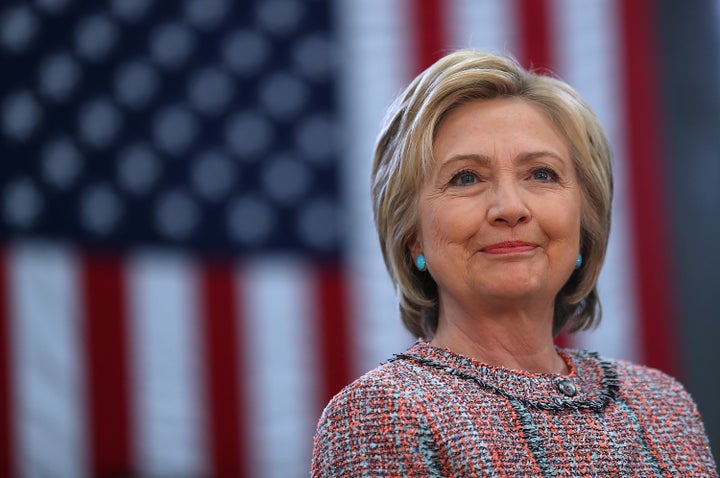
430,412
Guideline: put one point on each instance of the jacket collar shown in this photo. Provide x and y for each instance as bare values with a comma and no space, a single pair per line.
591,383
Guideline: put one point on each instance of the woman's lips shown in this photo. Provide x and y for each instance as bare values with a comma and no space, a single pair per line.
509,247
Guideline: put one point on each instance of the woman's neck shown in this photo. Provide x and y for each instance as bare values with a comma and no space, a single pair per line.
519,340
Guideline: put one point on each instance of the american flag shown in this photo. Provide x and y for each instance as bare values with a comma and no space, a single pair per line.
189,268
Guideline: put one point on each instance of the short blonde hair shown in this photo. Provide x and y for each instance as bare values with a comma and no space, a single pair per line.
403,156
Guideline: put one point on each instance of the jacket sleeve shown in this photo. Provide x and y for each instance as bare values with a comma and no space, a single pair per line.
372,429
693,454
674,426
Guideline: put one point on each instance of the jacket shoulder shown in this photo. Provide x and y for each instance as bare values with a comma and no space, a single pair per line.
374,427
391,382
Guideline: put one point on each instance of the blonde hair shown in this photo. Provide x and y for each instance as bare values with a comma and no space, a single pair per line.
403,156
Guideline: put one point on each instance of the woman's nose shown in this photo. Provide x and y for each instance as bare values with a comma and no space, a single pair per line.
508,206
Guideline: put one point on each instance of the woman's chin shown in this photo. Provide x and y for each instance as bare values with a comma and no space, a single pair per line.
513,287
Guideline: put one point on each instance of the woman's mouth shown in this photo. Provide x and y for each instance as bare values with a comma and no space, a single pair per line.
509,247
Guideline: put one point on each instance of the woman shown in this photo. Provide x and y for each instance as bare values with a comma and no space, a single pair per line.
491,193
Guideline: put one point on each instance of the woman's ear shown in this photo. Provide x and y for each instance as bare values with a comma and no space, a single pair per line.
414,245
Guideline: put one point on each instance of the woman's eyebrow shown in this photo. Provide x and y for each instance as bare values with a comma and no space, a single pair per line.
481,159
529,156
484,160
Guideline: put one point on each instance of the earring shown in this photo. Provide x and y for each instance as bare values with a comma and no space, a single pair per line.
420,263
578,261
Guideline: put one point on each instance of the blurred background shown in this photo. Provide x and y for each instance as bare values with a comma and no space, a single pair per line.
188,266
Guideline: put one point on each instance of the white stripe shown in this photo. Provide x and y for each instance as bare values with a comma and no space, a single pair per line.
48,364
375,43
482,24
280,366
167,365
586,44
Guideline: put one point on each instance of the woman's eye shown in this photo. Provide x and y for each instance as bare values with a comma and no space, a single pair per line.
464,178
545,175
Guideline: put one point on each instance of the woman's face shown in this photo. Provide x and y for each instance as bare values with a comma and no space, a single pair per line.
500,209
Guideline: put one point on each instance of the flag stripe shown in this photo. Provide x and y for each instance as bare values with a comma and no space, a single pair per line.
280,366
430,36
375,34
533,22
332,329
226,397
167,384
650,233
497,33
7,450
48,400
104,301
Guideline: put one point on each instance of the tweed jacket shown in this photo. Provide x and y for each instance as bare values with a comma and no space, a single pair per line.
430,412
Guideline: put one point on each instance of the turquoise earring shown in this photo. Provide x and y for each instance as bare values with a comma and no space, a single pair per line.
420,262
578,261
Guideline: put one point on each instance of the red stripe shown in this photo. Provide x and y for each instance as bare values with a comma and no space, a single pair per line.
331,295
227,444
645,164
533,22
107,365
430,38
6,424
